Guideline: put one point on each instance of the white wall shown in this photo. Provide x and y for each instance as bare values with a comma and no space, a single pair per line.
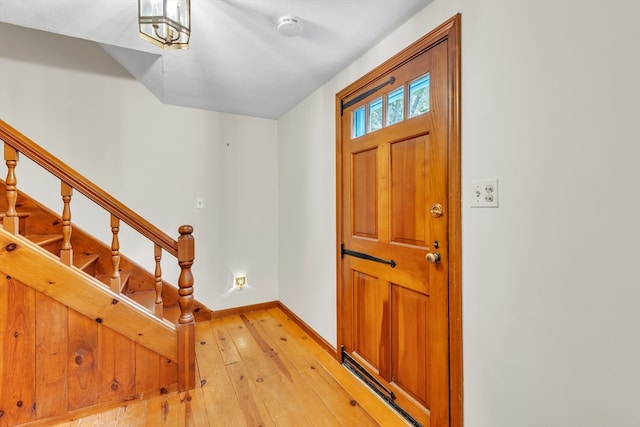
550,284
74,100
549,102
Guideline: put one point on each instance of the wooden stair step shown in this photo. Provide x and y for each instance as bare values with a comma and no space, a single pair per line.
144,298
48,242
44,239
106,279
22,221
84,260
171,313
20,214
148,300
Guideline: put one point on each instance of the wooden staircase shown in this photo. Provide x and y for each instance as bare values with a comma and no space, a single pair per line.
82,325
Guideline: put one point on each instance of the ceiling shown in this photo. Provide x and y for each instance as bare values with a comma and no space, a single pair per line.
237,62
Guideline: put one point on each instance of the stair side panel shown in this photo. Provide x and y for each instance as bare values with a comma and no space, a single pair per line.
17,352
54,360
44,273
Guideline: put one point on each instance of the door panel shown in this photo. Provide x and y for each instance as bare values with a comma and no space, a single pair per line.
408,196
410,334
365,189
370,307
394,319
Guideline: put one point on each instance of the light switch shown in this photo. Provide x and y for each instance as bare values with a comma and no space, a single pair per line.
199,202
484,193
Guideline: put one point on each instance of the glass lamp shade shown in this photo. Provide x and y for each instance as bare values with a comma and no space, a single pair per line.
165,23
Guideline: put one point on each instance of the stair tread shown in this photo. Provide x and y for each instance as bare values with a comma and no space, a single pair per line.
83,260
48,236
148,300
106,279
20,214
145,298
43,239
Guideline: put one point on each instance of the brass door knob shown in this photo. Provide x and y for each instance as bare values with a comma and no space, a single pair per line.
433,258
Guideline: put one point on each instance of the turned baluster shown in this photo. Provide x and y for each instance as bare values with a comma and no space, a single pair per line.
157,255
186,254
10,220
115,255
66,251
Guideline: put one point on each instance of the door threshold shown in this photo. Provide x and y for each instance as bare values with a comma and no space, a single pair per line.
385,394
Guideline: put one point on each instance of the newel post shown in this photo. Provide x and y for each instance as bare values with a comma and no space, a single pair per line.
186,323
186,255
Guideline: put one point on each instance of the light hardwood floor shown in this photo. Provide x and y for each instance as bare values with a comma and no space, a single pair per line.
255,369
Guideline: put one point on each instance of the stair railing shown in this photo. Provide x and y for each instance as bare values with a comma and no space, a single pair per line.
183,249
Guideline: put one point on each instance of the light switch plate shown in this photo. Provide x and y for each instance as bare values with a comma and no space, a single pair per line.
199,202
484,193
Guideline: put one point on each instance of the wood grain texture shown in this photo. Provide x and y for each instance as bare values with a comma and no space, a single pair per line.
17,345
185,369
253,389
44,273
364,397
147,369
453,30
268,371
98,331
418,166
116,364
49,162
11,221
305,394
54,361
340,407
215,381
364,217
51,363
83,364
44,221
5,401
410,332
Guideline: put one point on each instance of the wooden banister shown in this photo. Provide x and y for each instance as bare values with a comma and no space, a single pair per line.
183,351
183,249
53,165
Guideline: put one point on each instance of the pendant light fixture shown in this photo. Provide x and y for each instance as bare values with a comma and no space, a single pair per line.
165,23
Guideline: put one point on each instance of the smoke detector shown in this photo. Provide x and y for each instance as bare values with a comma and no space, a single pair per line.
289,26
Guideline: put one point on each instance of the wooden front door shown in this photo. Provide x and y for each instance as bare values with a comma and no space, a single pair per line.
397,197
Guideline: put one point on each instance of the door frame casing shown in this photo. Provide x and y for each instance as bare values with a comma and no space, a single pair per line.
450,31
